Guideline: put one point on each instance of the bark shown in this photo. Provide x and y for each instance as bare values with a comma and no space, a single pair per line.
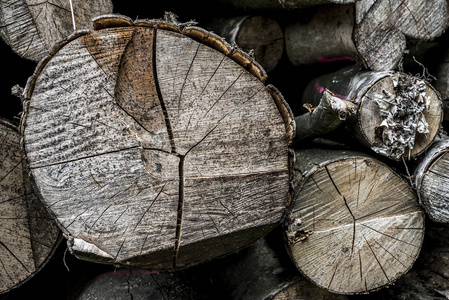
355,225
330,113
29,236
150,129
431,180
32,27
375,30
327,36
398,115
261,35
382,27
261,272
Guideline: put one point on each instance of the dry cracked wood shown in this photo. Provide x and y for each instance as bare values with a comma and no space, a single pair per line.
374,30
32,27
355,225
398,115
261,35
153,149
29,236
432,182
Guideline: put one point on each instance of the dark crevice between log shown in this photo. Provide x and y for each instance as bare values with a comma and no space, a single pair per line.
180,210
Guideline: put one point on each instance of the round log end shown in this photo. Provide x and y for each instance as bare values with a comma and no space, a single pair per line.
354,226
29,235
400,115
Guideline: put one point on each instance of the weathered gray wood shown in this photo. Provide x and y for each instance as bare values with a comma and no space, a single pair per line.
324,118
260,35
327,36
432,182
32,27
176,153
382,27
140,284
398,115
29,236
354,225
374,30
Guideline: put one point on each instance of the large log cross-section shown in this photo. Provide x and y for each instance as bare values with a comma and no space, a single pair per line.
154,149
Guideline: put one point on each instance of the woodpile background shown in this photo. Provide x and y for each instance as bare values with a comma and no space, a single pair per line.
363,215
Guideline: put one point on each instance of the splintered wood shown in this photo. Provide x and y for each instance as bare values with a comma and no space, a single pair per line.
154,150
29,235
355,225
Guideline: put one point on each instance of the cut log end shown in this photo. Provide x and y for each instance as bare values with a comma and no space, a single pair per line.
29,236
355,225
181,139
400,115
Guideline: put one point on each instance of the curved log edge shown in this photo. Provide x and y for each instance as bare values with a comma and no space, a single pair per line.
29,236
355,225
83,246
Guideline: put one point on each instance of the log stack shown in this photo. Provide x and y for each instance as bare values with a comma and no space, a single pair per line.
254,150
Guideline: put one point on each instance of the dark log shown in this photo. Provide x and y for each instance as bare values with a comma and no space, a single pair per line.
398,115
32,27
177,153
354,225
432,182
260,35
280,4
29,235
139,284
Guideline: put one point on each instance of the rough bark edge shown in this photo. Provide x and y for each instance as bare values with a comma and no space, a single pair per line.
315,168
437,150
26,171
290,128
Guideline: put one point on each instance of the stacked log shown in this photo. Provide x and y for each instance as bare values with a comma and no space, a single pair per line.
158,146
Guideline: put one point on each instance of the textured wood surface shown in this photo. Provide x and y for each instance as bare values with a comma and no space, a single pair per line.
176,153
431,181
29,235
260,35
326,36
398,115
32,27
383,25
355,225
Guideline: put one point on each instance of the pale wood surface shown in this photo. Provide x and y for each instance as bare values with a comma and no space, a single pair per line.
383,25
355,225
29,235
165,142
431,181
33,27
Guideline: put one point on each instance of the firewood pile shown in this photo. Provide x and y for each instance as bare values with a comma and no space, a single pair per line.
232,149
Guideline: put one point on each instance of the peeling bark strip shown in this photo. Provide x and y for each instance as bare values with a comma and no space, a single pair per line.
263,36
398,115
32,27
29,236
354,225
431,181
176,153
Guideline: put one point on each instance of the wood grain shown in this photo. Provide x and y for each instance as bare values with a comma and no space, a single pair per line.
355,225
165,141
29,235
